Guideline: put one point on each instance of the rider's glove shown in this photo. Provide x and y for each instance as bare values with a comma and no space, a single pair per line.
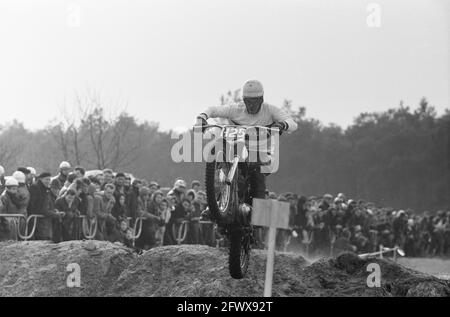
281,125
201,121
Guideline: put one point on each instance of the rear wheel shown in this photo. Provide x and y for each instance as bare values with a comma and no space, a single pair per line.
239,253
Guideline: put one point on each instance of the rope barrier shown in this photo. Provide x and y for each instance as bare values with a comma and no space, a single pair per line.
136,229
17,218
180,233
89,227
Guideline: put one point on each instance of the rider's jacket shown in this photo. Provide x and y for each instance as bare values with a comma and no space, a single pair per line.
237,114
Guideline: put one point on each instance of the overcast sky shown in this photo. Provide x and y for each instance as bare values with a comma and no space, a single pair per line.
169,59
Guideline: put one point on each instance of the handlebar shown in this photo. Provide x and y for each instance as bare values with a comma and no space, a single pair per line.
268,127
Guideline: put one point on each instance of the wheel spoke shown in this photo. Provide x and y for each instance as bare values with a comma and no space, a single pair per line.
222,189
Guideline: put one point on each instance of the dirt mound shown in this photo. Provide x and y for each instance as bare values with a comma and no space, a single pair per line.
203,271
39,269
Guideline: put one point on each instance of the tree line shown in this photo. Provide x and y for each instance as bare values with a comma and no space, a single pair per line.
398,158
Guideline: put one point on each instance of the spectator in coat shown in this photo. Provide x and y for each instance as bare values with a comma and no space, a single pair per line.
39,204
69,204
197,206
120,213
358,219
85,183
127,183
57,221
71,178
9,204
181,212
31,177
326,202
178,190
399,227
64,170
164,215
107,222
132,199
147,238
154,201
199,203
300,217
86,205
23,194
120,190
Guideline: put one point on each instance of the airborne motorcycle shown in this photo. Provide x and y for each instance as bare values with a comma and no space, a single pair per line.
227,185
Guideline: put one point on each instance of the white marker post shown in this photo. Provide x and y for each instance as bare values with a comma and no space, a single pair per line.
273,214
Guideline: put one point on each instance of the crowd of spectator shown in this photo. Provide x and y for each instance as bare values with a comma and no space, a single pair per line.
328,225
321,225
113,200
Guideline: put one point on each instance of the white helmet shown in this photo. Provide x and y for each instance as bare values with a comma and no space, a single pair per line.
252,88
341,196
64,164
19,176
11,181
2,170
179,183
32,170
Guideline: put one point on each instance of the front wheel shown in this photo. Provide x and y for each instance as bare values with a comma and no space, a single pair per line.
218,193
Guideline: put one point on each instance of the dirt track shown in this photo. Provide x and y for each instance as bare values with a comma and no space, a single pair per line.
39,269
434,266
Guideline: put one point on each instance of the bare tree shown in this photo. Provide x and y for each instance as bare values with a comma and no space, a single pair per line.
113,142
97,127
89,137
11,143
67,136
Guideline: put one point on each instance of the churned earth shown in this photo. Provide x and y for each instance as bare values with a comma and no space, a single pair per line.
39,268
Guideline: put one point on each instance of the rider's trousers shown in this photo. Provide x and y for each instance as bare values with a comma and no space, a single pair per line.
257,183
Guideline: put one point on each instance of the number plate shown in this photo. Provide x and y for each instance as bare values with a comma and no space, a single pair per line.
234,133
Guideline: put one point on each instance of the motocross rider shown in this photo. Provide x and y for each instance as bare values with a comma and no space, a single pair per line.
252,111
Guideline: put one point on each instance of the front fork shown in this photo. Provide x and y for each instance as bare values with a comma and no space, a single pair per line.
232,171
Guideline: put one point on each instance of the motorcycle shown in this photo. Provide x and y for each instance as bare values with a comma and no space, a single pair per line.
227,185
